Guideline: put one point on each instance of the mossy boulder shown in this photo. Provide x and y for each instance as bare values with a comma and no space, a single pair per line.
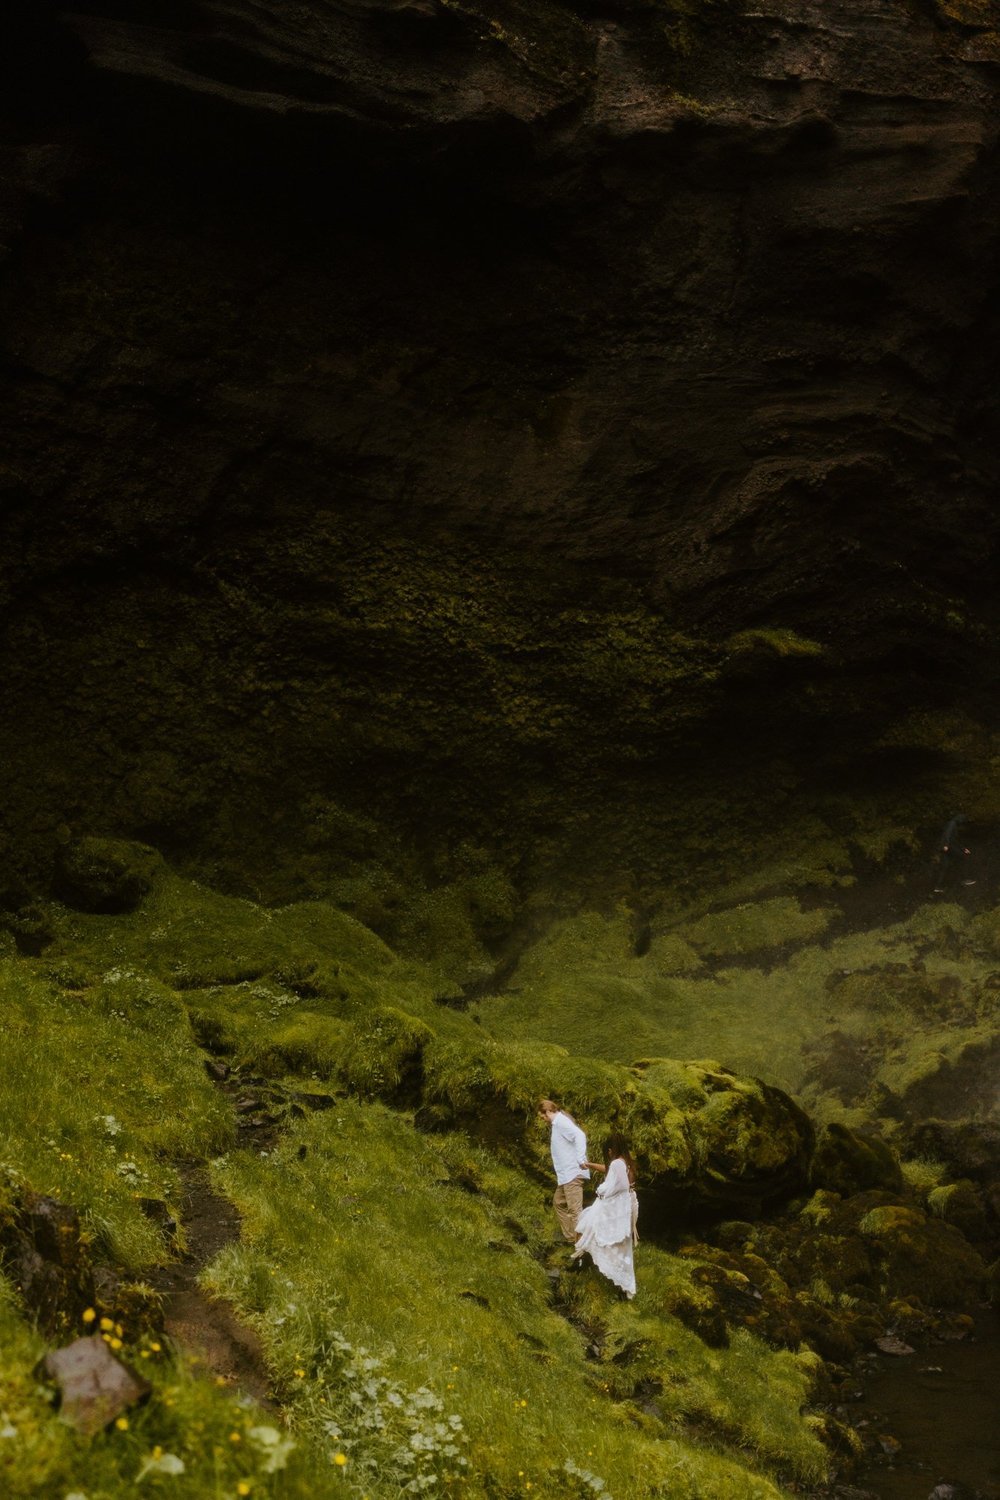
969,1148
960,1203
762,1278
847,1162
701,1304
754,927
752,1143
923,1257
105,875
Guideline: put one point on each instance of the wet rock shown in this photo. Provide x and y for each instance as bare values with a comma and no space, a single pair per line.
95,1387
105,875
789,106
160,1214
216,1070
889,1344
47,1260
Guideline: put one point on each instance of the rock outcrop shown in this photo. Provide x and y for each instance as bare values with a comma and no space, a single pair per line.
508,395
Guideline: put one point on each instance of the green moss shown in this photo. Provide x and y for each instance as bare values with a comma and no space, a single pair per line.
122,1092
924,1258
106,874
922,1174
357,1199
781,642
960,1203
384,1058
846,1162
752,927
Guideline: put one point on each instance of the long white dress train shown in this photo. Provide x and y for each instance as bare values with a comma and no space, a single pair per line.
606,1228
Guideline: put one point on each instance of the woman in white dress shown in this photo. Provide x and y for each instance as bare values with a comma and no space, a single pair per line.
606,1230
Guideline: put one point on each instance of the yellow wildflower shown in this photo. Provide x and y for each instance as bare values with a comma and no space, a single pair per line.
89,1315
340,1459
106,1325
122,1424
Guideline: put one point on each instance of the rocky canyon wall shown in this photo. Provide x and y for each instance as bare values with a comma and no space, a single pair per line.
531,437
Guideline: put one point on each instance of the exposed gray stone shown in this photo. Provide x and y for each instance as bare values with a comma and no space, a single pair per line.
95,1387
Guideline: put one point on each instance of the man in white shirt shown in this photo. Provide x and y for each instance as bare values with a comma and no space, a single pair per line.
569,1152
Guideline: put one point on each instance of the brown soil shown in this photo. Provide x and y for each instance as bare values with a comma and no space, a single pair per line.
205,1329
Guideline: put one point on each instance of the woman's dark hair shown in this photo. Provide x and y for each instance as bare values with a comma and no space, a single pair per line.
615,1146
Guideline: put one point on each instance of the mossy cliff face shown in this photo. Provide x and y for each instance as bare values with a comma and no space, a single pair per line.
490,445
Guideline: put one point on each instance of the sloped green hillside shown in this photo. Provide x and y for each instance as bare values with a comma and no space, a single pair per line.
398,1257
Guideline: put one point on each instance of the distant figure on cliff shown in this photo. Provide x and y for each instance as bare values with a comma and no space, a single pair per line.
568,1144
953,852
607,1228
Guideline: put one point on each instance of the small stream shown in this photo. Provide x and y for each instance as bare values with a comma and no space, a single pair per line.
941,1404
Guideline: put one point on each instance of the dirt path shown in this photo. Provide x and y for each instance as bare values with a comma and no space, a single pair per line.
208,1330
205,1329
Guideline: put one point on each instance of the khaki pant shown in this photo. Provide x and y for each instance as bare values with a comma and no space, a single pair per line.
568,1203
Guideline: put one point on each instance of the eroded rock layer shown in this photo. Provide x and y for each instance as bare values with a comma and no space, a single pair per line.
495,425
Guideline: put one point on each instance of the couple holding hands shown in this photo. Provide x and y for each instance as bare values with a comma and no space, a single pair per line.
606,1229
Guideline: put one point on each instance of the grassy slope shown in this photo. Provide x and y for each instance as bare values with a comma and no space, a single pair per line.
396,1278
761,987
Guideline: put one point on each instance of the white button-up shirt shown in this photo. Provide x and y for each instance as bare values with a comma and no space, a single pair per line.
569,1149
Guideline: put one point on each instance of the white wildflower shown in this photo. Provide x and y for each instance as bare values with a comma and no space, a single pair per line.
161,1463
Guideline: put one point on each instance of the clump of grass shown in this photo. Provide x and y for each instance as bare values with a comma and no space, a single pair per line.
122,1091
263,1026
755,926
191,937
922,1174
781,642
